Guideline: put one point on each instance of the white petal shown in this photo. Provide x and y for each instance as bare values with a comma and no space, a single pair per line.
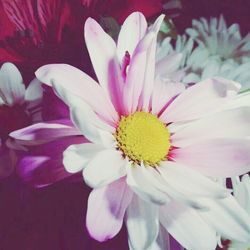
107,166
34,91
88,122
76,157
12,88
142,223
102,51
164,91
227,218
150,66
187,227
145,185
162,241
168,65
135,25
201,99
241,191
189,182
68,80
241,100
106,209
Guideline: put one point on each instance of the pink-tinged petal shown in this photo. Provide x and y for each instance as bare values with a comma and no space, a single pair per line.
135,27
226,124
12,88
145,185
233,216
196,185
106,167
148,77
150,66
218,157
81,112
163,93
187,227
134,82
44,132
7,162
77,83
142,223
106,209
200,100
168,65
42,165
157,24
76,157
102,51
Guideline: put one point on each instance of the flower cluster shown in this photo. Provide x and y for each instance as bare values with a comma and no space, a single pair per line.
211,49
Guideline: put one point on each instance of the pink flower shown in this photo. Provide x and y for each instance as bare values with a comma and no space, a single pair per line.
152,143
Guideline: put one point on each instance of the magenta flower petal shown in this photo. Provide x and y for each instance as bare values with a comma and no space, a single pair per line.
42,164
42,132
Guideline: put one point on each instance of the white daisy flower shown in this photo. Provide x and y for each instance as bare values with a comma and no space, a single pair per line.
218,51
19,107
138,159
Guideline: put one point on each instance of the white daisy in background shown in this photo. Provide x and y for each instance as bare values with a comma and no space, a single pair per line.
152,143
19,107
241,189
218,51
171,61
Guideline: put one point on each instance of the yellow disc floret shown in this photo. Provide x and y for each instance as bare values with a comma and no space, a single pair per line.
143,137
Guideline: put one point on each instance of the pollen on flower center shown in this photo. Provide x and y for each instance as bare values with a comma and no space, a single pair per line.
143,137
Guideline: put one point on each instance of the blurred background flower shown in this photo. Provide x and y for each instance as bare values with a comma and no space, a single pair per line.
210,48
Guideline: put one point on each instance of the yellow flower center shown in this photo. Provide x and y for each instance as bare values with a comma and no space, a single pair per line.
143,137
